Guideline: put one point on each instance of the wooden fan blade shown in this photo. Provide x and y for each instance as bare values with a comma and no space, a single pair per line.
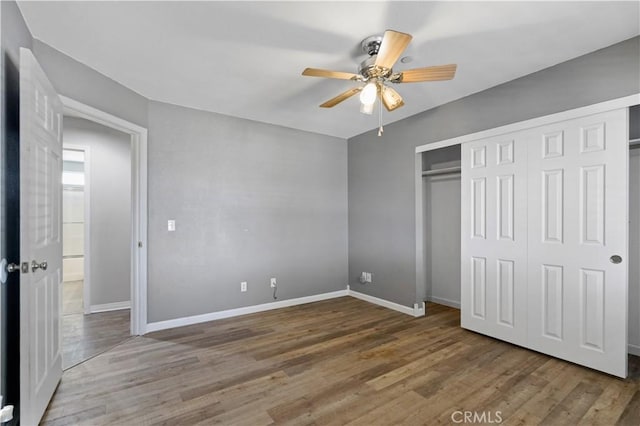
390,98
392,46
437,73
341,97
315,72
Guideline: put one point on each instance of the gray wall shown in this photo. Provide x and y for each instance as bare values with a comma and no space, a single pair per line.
634,230
81,83
442,216
382,231
287,188
634,122
14,34
110,207
251,201
634,248
441,226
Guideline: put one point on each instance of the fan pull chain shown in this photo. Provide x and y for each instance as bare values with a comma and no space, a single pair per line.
380,128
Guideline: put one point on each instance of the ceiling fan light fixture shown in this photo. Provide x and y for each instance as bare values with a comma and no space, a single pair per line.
366,108
390,98
369,94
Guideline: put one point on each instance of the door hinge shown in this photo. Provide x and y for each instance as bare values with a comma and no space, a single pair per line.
140,244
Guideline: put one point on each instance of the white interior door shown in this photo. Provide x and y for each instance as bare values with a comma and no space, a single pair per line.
494,238
40,239
578,220
545,239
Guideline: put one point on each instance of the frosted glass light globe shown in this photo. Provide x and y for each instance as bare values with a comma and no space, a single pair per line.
369,94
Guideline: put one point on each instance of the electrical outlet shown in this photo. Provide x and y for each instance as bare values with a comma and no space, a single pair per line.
368,277
273,283
243,286
171,225
363,277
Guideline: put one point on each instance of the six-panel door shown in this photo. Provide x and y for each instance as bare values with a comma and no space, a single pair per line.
544,228
494,238
40,239
578,220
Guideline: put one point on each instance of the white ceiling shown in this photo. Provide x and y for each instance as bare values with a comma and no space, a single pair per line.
245,58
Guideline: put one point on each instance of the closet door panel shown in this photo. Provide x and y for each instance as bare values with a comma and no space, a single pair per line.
494,238
577,195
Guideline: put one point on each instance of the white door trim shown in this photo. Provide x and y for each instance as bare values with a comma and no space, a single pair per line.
86,284
138,203
618,103
2,255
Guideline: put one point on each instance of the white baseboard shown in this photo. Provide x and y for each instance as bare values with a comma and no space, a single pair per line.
633,349
445,302
196,319
416,311
106,307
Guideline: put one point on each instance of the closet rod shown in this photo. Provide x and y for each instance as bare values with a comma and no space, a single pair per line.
443,171
634,141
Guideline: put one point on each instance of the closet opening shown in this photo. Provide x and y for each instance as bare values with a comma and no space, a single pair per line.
441,215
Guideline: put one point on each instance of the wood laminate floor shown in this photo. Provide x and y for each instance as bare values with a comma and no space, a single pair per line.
336,362
85,336
72,297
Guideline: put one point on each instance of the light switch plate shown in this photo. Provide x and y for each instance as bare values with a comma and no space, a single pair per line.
171,225
243,286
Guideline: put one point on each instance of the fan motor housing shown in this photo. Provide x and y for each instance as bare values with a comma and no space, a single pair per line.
369,70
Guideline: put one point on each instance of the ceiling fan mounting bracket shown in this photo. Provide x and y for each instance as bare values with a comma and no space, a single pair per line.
371,45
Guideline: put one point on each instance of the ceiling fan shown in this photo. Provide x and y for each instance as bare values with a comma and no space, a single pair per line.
377,71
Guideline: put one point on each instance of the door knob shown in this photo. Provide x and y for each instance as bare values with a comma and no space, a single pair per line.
7,268
12,267
35,265
615,259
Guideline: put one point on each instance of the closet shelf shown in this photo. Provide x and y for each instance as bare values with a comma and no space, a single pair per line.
443,171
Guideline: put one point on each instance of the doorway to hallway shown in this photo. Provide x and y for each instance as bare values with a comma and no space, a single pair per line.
96,199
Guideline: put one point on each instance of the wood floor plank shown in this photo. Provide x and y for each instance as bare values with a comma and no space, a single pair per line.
335,362
631,414
608,408
575,405
560,381
392,412
85,336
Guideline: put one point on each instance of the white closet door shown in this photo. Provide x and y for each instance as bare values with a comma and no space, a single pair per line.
494,238
578,220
